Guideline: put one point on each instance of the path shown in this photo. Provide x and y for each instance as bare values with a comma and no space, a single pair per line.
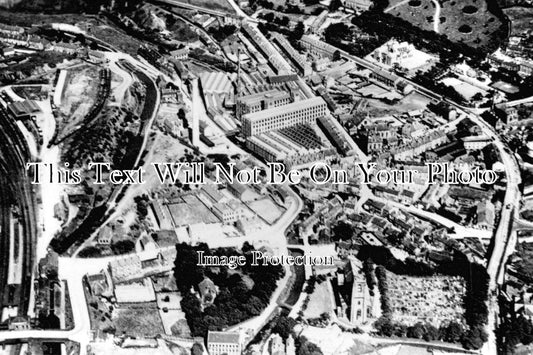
436,16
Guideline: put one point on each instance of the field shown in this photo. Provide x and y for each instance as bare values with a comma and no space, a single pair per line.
33,19
190,211
521,19
115,37
266,209
319,301
219,5
465,89
79,95
138,321
468,21
413,101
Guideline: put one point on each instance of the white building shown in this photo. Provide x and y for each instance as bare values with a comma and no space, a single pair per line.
224,343
402,54
304,111
360,5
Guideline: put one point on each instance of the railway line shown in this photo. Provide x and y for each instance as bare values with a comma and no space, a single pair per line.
15,194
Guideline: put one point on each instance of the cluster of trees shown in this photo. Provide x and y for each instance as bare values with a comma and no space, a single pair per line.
452,332
222,32
123,247
77,235
284,326
370,276
383,287
430,81
305,347
218,62
236,301
293,35
69,6
341,35
142,202
334,5
343,231
514,330
385,26
270,17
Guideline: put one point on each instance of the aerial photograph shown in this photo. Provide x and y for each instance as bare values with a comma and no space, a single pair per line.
266,177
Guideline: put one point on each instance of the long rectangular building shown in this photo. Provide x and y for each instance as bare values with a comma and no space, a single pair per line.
261,101
297,59
304,111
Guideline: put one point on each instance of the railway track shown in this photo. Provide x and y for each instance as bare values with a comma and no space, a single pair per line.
15,191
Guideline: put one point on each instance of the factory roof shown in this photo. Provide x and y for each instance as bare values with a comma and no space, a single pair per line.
295,106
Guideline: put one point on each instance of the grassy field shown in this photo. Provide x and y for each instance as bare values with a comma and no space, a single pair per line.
521,19
219,5
32,19
467,21
79,95
319,301
138,322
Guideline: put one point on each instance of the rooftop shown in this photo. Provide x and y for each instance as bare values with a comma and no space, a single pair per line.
223,337
295,106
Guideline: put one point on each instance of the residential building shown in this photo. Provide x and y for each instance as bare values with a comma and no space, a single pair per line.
296,58
317,47
135,292
10,30
105,235
228,212
181,53
476,142
485,214
224,343
360,5
319,21
276,346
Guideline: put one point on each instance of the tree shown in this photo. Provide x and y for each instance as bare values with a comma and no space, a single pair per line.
307,348
334,5
142,205
89,252
197,349
416,331
269,17
526,87
343,231
384,326
477,97
368,269
284,326
123,247
453,332
298,32
474,338
336,55
431,333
